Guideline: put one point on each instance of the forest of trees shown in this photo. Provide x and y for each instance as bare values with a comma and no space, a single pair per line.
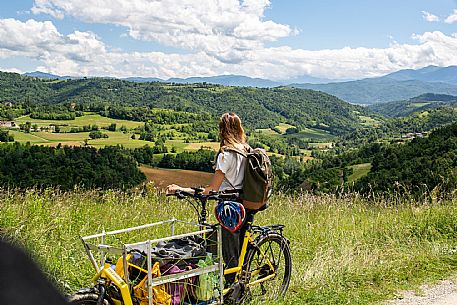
259,107
417,168
421,166
27,165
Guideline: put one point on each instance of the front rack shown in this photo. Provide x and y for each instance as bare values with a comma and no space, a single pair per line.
97,243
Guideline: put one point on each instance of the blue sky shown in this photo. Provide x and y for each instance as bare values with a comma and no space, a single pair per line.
274,39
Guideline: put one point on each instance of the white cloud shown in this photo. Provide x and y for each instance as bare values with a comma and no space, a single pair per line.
45,7
213,27
430,17
452,18
11,70
83,53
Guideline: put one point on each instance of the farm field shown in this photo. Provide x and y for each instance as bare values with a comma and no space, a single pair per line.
195,146
176,139
418,105
369,121
359,170
283,127
77,139
163,177
87,119
313,133
310,134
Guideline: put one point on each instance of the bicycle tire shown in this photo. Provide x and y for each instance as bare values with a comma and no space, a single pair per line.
85,299
278,251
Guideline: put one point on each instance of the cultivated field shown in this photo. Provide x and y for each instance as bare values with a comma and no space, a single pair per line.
163,177
87,119
359,170
77,139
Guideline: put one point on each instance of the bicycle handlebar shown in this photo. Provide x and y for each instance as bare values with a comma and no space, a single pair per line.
213,195
202,199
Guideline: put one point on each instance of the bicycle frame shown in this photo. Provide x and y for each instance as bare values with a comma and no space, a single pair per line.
248,239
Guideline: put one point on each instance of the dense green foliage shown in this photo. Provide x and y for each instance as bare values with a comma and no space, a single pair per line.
97,134
5,136
395,128
417,104
198,160
66,167
139,101
421,166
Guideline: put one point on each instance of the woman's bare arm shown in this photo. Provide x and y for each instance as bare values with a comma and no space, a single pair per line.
216,182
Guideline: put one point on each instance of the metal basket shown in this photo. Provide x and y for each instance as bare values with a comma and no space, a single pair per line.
97,245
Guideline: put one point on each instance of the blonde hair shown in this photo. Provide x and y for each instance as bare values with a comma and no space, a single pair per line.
230,130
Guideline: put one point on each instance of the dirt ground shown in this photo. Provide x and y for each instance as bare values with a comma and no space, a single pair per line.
163,177
443,293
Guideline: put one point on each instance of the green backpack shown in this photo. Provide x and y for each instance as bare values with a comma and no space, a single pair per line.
258,177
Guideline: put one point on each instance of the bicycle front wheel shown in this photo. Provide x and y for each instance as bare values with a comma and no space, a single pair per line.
268,268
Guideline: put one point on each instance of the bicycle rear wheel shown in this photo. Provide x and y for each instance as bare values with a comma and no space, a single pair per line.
85,299
268,268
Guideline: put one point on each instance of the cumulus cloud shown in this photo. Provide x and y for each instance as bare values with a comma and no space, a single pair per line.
220,28
430,17
451,18
11,70
84,54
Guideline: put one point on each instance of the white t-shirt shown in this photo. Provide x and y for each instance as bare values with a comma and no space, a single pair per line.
232,164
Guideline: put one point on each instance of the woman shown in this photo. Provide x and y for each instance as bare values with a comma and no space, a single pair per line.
230,165
228,175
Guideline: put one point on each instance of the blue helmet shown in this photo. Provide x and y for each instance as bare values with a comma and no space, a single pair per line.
230,214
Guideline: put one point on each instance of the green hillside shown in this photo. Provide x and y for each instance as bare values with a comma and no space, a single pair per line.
259,108
419,167
424,165
417,104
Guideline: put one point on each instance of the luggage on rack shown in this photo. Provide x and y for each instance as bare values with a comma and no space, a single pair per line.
168,258
138,277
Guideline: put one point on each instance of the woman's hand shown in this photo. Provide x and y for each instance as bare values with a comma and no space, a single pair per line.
172,188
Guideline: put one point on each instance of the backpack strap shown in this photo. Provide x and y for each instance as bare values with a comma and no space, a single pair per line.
244,153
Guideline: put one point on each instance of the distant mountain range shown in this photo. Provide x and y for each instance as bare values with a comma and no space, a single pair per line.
427,74
225,80
40,74
396,86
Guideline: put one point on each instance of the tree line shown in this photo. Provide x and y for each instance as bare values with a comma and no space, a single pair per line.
25,166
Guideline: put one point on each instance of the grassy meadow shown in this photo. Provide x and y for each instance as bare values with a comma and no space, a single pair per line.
87,119
345,250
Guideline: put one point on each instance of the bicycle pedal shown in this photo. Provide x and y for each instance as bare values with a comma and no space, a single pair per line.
235,292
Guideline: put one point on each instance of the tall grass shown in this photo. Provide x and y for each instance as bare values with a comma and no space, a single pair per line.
345,250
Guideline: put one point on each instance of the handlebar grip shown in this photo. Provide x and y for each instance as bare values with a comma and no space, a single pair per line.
198,190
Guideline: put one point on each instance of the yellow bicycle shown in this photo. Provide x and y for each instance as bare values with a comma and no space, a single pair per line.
263,272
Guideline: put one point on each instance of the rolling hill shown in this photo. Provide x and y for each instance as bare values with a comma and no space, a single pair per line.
417,104
259,107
